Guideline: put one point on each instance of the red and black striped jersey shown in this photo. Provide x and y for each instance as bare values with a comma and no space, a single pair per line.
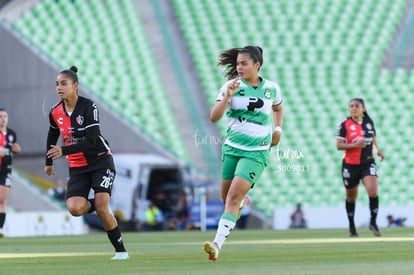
351,131
6,141
80,132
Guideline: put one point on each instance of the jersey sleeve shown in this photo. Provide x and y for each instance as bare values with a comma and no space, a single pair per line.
341,131
13,133
11,137
52,137
278,97
222,92
10,140
91,132
373,128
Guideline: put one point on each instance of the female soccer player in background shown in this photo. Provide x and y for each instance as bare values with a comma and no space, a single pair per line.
356,136
90,161
254,121
8,146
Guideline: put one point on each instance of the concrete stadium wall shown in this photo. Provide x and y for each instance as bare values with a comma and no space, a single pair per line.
335,217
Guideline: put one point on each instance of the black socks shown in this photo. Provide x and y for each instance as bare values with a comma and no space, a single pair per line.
2,219
350,212
115,237
373,207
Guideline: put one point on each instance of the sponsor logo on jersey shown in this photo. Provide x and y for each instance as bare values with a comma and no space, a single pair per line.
263,143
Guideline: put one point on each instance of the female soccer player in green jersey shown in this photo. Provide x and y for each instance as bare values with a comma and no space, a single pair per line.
253,106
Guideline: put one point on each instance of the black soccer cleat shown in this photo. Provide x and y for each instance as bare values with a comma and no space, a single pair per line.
375,230
352,232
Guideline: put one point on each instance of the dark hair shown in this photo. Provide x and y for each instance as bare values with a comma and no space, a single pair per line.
3,110
365,113
228,59
72,73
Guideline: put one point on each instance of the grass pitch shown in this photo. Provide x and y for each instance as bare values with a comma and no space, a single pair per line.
245,252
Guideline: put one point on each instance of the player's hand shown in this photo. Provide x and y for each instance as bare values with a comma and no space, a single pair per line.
380,155
276,138
233,87
360,143
54,152
49,170
3,152
16,148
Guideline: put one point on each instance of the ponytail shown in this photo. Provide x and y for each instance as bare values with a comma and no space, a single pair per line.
228,59
72,73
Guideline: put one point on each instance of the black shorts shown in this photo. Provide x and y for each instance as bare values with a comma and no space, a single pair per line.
5,176
352,174
99,177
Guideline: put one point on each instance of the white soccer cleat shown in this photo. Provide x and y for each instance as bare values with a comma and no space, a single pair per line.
243,204
120,256
212,250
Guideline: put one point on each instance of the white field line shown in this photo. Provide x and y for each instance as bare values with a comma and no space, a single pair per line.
326,240
51,254
269,241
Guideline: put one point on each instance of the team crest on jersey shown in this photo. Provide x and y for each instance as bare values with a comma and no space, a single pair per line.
79,119
10,138
267,94
369,126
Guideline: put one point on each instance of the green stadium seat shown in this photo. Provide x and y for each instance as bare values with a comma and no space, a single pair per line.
112,67
322,53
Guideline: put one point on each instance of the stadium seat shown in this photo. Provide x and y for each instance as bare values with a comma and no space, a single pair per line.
110,62
322,53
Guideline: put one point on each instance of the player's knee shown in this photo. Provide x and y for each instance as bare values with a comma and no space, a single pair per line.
76,211
102,211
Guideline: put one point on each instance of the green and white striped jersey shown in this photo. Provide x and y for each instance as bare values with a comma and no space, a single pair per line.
249,115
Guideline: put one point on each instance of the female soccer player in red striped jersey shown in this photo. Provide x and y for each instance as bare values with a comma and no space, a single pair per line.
357,137
8,146
75,119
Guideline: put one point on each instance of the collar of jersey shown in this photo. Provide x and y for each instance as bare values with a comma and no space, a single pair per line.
258,87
